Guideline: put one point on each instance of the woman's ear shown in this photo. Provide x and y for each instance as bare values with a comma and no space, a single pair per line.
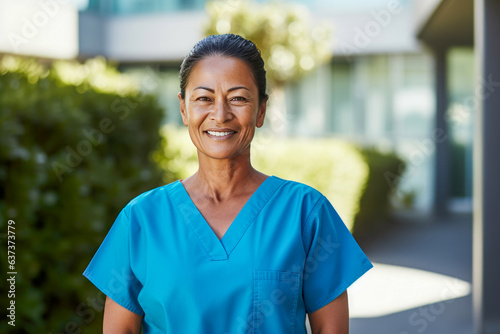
182,105
261,113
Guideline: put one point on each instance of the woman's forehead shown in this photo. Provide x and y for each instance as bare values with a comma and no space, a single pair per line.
219,70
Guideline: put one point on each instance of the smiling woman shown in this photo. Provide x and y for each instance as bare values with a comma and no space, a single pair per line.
228,249
221,108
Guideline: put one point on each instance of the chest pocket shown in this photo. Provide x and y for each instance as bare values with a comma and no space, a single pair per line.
275,298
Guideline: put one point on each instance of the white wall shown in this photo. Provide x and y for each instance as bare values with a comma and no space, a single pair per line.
142,37
169,36
388,29
45,28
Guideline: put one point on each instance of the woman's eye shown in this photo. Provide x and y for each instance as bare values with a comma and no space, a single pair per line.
203,99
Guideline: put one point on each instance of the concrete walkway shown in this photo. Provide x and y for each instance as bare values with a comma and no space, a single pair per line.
442,247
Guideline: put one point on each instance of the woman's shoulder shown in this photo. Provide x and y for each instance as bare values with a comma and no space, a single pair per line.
305,200
299,190
151,196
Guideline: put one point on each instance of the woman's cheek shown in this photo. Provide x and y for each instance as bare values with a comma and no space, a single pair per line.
245,112
200,109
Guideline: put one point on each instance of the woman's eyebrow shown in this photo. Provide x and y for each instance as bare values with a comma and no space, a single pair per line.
206,88
229,90
236,88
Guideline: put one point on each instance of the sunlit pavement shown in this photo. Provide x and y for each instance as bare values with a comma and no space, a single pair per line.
421,280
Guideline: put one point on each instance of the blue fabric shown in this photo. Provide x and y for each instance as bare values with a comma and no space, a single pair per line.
286,253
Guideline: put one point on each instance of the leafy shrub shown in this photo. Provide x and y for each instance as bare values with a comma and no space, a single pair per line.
71,158
333,167
385,170
177,155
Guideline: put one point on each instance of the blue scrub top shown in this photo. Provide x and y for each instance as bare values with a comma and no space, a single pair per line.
287,253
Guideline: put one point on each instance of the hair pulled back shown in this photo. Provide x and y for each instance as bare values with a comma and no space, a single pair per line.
227,45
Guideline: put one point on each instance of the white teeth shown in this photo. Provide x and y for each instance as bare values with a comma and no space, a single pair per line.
219,134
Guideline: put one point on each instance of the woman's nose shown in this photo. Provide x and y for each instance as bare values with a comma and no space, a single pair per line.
221,112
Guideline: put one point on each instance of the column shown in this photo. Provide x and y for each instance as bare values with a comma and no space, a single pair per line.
486,231
442,169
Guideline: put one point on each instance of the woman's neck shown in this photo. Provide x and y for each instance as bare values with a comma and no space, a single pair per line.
221,179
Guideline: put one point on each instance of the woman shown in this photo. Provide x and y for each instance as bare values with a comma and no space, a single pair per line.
229,249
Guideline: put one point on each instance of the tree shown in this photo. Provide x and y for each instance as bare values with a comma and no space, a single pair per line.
290,45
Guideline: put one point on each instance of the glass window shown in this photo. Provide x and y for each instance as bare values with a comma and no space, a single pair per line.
121,7
342,6
461,79
341,116
388,101
129,7
412,89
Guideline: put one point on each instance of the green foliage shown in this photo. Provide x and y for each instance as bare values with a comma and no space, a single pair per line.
71,158
178,154
290,45
333,167
407,198
385,171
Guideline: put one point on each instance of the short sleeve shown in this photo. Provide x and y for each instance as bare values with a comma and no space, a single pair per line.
334,259
110,268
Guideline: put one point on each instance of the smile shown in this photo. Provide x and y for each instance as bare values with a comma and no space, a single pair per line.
220,133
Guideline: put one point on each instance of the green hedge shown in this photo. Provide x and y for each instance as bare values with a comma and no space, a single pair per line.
70,159
385,171
333,167
356,180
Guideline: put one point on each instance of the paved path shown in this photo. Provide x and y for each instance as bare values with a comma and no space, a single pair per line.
442,247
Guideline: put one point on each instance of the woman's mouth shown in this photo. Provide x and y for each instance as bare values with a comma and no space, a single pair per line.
220,134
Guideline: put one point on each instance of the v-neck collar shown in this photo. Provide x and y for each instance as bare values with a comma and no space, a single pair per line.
216,249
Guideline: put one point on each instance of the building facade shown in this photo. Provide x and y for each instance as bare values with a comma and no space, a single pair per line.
378,90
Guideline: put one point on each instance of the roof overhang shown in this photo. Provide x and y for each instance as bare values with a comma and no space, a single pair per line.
446,23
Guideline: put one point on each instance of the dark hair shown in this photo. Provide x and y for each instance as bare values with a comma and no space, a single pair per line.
227,45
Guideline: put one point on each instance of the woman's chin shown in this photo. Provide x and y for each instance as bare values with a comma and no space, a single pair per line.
223,154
